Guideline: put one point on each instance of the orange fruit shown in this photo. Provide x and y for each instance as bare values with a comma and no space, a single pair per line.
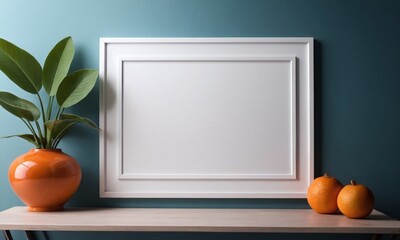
322,194
356,200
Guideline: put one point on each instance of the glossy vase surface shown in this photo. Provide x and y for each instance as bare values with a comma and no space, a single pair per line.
44,179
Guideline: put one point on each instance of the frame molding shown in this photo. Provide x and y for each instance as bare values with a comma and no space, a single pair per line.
115,181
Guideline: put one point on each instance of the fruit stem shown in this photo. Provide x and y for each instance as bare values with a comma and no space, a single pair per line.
352,182
326,174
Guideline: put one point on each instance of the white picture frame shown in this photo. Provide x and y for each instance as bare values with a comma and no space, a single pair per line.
206,117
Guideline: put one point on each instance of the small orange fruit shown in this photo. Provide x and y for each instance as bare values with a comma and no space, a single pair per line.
356,200
322,194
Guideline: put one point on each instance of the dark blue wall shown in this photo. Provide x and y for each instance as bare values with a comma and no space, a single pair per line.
357,99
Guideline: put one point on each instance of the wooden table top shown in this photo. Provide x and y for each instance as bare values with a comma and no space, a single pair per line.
195,220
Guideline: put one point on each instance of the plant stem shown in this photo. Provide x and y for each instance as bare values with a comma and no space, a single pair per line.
33,132
49,113
60,135
43,116
42,139
59,112
50,107
56,142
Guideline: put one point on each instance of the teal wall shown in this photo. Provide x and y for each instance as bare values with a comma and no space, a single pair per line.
357,99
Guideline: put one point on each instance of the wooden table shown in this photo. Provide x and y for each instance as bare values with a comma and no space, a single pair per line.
194,220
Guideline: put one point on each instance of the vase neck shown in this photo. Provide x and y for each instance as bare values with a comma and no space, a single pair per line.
46,150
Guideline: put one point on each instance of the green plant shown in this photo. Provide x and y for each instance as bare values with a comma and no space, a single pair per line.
47,124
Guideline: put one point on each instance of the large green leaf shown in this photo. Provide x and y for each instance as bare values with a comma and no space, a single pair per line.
19,107
76,87
21,67
28,137
56,129
57,65
79,119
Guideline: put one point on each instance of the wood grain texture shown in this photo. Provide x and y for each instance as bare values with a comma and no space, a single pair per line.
195,220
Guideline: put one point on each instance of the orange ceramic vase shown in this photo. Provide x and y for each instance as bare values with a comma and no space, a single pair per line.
45,179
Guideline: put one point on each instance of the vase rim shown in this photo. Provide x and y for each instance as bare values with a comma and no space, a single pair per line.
47,149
